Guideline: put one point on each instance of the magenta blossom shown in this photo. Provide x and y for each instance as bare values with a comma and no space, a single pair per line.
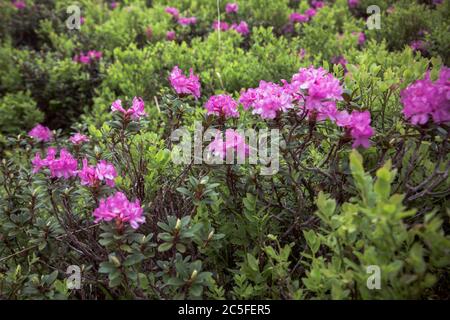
136,111
358,125
361,37
82,20
222,25
184,85
93,176
113,5
317,4
234,142
298,17
40,133
353,3
317,91
170,35
173,12
118,208
186,21
19,4
222,105
311,12
63,167
241,28
231,8
418,45
424,99
267,100
89,57
78,138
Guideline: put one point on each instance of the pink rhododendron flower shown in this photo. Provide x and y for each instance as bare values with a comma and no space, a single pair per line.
222,25
87,175
94,54
424,99
353,3
63,167
298,17
231,8
267,100
186,21
105,171
78,138
358,124
418,45
118,208
93,176
241,28
87,58
19,4
40,133
184,85
170,35
39,163
322,91
317,4
173,12
311,12
136,111
222,105
113,5
233,142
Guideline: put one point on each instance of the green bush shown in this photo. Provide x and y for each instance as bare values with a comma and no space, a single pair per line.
18,112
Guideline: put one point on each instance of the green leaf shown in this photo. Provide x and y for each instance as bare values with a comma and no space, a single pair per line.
165,246
133,259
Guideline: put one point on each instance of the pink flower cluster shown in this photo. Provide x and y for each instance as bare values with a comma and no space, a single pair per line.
222,105
93,176
353,3
118,207
184,21
233,142
268,99
65,166
298,17
19,4
322,91
241,28
173,12
312,90
89,57
40,133
317,4
309,13
136,111
418,45
170,35
185,85
358,124
424,99
231,8
78,139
